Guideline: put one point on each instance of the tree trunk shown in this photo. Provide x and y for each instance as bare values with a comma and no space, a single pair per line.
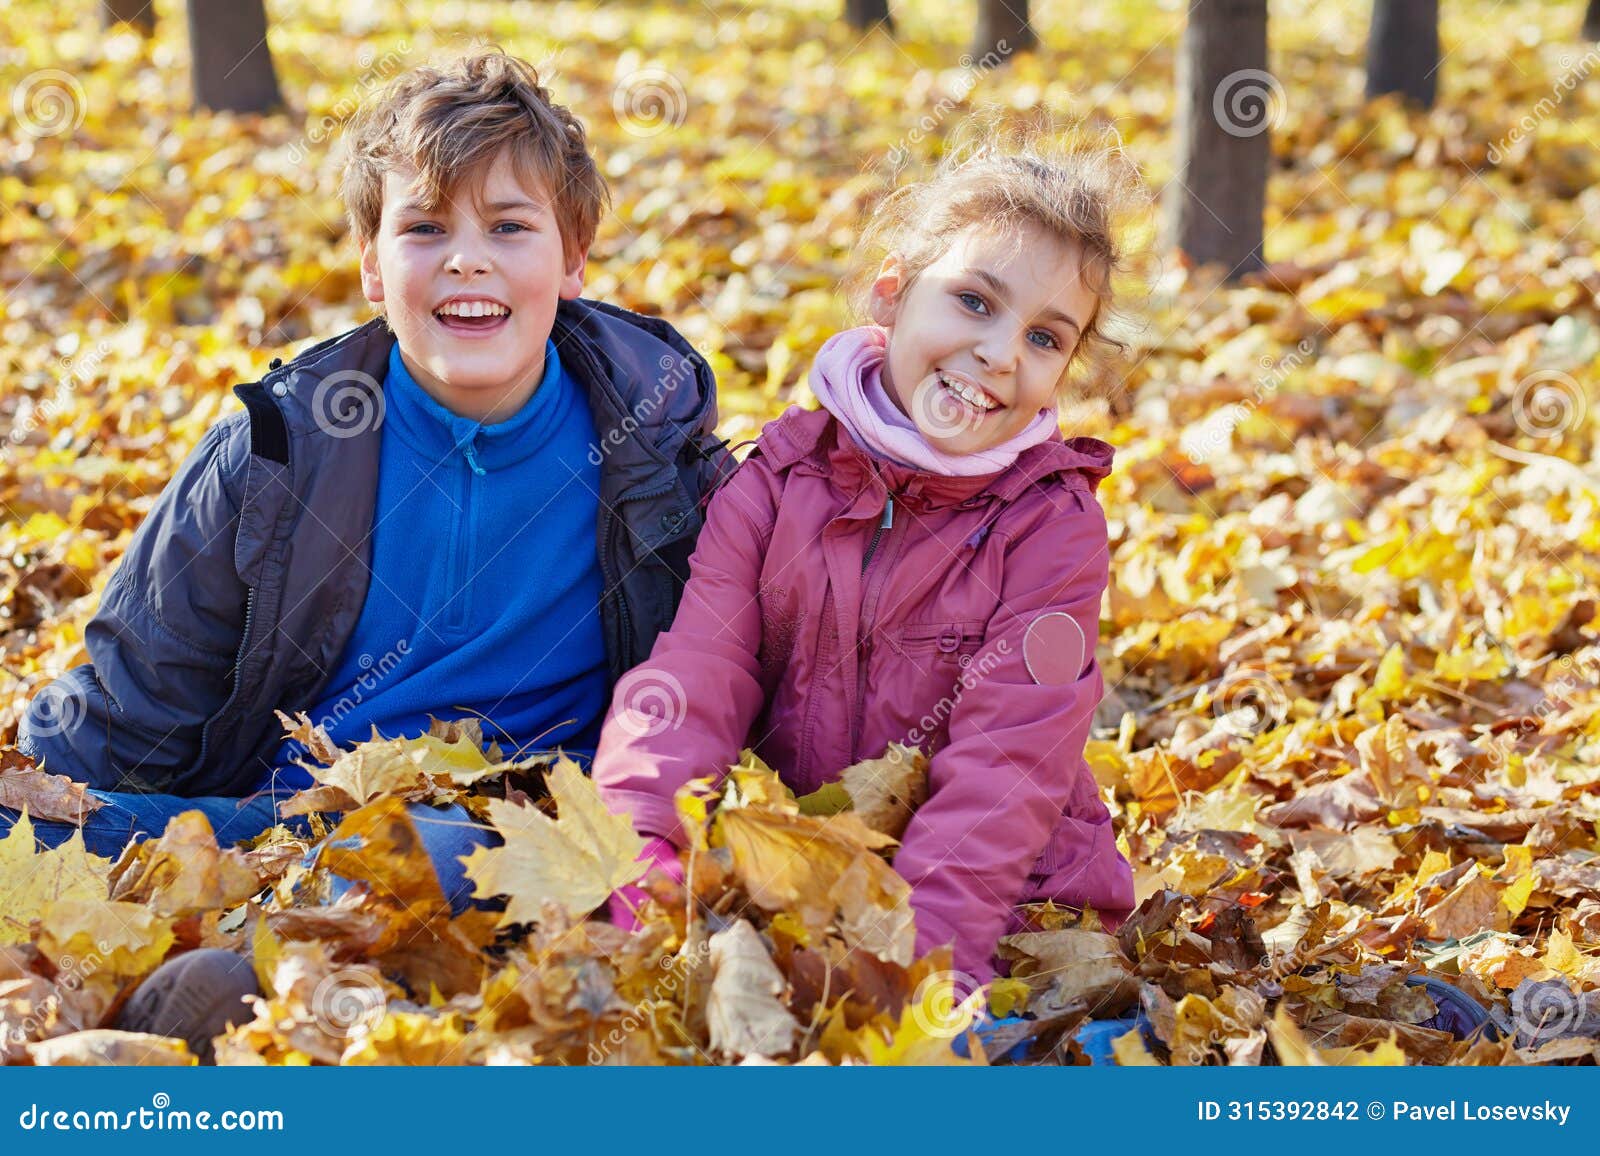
1403,50
1226,102
232,64
139,13
865,14
1003,29
1591,21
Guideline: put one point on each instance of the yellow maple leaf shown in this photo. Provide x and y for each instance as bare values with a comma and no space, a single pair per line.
30,881
126,939
575,860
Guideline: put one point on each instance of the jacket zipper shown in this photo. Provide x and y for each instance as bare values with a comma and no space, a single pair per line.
238,673
884,523
460,561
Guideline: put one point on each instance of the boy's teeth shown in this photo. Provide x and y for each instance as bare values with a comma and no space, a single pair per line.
473,309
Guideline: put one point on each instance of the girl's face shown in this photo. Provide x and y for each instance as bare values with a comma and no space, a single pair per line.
980,340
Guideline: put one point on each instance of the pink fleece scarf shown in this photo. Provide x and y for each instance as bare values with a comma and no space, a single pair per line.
847,379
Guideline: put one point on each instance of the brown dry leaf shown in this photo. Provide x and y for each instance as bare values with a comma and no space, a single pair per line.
1294,1050
874,906
1396,771
1472,906
24,786
746,1012
885,792
1338,804
1073,965
936,1015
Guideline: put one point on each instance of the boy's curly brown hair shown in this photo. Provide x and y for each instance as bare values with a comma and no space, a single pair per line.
449,123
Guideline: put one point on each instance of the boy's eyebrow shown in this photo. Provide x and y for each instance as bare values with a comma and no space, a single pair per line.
413,204
999,289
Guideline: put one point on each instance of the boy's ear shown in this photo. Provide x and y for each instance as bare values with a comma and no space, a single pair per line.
884,297
572,279
371,279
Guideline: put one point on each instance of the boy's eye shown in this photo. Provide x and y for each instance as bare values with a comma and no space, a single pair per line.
423,225
1049,341
973,302
517,225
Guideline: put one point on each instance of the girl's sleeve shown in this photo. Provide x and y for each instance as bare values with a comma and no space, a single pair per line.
685,712
1014,762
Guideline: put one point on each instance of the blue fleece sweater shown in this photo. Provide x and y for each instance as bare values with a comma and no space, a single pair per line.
485,590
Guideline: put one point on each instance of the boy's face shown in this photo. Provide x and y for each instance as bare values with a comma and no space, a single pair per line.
497,253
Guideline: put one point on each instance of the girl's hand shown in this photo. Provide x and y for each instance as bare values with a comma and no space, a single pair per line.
625,901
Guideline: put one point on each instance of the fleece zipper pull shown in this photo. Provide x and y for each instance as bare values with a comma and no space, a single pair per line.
472,459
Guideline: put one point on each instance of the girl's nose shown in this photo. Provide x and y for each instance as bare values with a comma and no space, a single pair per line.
997,353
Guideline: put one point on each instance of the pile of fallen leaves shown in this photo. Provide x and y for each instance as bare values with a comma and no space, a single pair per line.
1350,642
792,937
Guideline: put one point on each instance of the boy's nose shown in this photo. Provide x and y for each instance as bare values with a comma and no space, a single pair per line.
461,261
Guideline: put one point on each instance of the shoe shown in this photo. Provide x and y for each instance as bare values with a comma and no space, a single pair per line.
1459,1014
195,997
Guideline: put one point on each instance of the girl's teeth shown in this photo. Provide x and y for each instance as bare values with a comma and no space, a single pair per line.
966,394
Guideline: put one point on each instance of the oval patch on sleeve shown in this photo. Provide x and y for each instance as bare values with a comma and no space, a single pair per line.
1054,649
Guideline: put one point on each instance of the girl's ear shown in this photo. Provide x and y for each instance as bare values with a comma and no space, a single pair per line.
883,299
371,279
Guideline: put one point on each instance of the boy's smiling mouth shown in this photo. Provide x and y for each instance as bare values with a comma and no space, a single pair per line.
475,316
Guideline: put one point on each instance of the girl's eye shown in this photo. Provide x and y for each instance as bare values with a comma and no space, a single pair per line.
973,302
423,225
1049,341
517,225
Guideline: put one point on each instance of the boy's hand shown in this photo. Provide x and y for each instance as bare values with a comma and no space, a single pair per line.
625,901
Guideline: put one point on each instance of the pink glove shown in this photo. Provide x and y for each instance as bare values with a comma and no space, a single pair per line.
662,856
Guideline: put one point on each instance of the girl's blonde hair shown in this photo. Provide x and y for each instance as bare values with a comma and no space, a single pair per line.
1078,185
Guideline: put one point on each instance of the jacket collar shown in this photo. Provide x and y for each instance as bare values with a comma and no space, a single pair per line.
817,438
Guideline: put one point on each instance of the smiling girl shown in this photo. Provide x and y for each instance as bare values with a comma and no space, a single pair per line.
921,560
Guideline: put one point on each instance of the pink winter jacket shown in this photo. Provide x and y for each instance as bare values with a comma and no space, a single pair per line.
819,626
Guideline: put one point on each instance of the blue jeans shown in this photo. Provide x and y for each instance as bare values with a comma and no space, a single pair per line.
447,833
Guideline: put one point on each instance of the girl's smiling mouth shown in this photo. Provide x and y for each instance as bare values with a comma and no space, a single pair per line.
966,391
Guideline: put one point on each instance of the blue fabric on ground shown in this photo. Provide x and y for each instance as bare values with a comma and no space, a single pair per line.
127,816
